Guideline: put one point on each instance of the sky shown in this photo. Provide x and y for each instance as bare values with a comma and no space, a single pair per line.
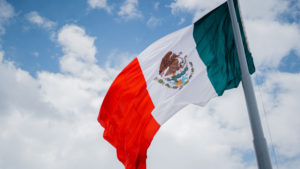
58,59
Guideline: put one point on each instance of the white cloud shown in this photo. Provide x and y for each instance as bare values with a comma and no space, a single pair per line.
153,22
79,49
198,8
119,60
45,23
281,98
49,121
197,137
270,41
20,93
129,10
82,79
156,5
54,116
100,4
6,12
36,54
268,9
182,20
1,55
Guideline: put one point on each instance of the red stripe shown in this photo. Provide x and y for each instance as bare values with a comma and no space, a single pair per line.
126,116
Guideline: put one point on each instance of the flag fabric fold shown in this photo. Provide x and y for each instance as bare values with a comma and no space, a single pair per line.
189,66
126,116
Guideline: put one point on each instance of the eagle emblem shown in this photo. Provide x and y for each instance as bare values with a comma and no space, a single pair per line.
174,71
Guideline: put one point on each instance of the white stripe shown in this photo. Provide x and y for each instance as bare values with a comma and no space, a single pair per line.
168,101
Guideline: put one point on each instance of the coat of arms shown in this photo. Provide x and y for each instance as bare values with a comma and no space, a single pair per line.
175,71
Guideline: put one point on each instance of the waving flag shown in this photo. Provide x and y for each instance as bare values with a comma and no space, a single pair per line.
189,66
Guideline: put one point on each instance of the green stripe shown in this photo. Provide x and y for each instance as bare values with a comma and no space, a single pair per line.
215,45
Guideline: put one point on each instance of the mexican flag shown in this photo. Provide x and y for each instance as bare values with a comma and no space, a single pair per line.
189,66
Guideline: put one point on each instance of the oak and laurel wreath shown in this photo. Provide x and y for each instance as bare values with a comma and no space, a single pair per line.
161,81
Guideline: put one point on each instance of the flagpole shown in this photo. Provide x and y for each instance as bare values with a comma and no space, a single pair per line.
260,144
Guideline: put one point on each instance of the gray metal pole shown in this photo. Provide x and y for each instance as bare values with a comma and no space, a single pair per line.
260,145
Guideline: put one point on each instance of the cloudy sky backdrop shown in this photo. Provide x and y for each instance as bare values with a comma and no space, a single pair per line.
58,58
